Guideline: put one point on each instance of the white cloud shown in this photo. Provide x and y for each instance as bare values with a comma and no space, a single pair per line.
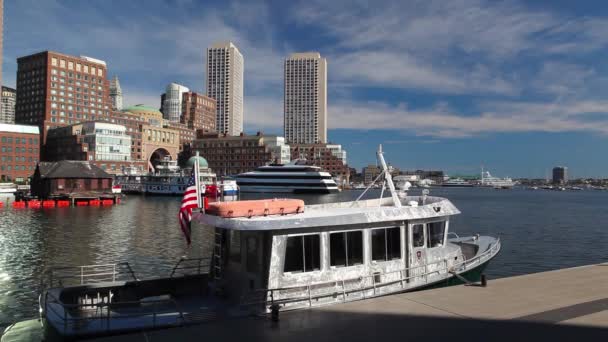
443,122
487,53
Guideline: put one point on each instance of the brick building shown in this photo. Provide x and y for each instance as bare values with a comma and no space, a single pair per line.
231,155
19,152
68,178
55,90
198,111
330,157
103,144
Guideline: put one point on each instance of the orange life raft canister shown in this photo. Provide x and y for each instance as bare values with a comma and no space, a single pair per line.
277,206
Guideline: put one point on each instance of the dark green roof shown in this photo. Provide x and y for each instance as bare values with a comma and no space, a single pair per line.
202,162
141,108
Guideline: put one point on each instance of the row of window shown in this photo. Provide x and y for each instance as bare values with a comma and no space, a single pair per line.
17,149
17,158
62,63
303,253
16,168
9,140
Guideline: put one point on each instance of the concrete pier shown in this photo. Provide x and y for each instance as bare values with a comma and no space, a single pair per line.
563,305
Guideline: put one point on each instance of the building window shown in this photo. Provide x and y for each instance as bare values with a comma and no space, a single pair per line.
386,244
303,253
346,249
252,255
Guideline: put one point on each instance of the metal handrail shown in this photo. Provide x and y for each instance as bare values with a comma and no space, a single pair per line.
453,233
88,273
64,317
199,264
466,263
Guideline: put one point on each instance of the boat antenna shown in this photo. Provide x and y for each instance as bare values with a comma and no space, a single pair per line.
388,178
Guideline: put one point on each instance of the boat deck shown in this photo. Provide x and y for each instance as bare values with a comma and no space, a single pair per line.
568,304
358,212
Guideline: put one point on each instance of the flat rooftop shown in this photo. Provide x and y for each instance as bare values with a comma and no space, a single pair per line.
563,305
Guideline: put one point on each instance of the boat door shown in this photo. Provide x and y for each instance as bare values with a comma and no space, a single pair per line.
417,252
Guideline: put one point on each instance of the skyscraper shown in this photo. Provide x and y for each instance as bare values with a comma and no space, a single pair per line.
8,98
560,175
225,84
115,94
305,102
172,104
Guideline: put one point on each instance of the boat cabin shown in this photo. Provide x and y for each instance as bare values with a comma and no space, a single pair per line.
349,246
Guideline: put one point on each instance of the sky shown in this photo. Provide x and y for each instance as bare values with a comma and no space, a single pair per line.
518,87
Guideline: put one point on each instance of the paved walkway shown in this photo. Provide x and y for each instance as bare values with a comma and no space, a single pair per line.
568,304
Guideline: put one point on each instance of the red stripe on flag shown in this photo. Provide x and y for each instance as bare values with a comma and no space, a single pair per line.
189,202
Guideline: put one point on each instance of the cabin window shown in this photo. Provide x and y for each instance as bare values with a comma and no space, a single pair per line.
303,253
386,244
235,246
252,255
436,233
418,235
346,249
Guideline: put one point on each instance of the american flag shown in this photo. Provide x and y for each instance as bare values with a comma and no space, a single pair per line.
189,202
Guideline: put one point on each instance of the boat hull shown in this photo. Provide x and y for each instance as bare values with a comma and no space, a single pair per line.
287,189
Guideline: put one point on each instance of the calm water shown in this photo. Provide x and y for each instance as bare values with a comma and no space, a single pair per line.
540,230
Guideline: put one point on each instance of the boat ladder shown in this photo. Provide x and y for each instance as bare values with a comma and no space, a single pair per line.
217,255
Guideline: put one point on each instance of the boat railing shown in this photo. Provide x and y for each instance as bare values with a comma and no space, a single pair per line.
452,233
367,286
191,266
88,274
101,309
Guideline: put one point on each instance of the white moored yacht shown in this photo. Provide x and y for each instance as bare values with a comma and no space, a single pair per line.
272,255
291,178
488,180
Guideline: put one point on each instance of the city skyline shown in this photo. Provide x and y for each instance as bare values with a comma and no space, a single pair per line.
518,99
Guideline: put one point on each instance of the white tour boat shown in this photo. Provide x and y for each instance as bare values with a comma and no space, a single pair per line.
272,255
295,177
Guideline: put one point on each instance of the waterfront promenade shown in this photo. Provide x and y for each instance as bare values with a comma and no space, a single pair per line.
563,305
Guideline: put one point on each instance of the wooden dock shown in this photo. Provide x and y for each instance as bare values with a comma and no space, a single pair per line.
563,305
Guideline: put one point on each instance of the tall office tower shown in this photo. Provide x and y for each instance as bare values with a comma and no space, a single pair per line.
55,90
8,99
172,104
225,84
560,175
115,94
305,102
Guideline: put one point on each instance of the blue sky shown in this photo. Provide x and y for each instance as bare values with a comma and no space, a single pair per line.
516,86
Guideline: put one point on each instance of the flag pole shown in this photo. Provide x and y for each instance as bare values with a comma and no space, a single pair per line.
197,182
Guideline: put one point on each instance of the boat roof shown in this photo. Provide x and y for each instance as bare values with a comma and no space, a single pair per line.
338,214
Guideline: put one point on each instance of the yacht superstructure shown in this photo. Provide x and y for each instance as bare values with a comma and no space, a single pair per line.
289,178
490,181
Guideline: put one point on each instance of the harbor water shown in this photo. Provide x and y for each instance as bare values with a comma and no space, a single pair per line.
540,230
